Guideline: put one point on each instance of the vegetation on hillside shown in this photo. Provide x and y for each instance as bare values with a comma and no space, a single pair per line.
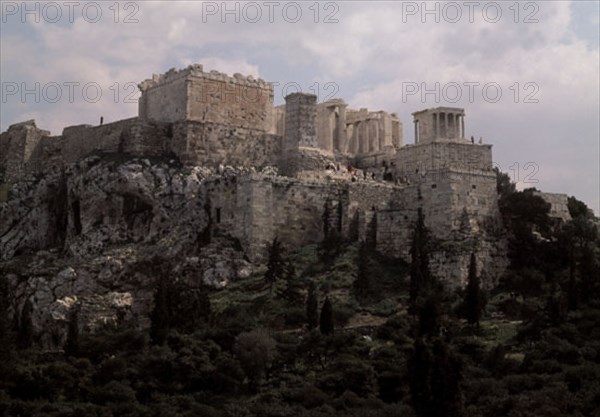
337,330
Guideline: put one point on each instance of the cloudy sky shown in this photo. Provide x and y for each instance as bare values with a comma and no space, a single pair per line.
527,73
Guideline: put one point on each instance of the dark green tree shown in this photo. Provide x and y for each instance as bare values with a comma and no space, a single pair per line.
504,185
188,307
473,302
435,376
275,264
362,282
160,315
446,375
326,218
312,306
25,334
6,337
331,245
256,351
578,208
420,365
292,292
72,343
326,318
589,271
421,280
430,314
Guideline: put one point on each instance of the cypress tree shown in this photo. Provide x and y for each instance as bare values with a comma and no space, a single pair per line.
446,374
275,264
473,302
420,365
6,339
188,307
362,283
326,318
25,334
160,316
72,343
421,279
312,306
292,292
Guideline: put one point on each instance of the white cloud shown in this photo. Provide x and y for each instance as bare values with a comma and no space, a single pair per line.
371,52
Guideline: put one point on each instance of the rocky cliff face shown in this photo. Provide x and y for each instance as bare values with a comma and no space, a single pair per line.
83,238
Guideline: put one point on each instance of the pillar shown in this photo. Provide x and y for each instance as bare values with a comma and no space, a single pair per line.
416,122
300,121
342,139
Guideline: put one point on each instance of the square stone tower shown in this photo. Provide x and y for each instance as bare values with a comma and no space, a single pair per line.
191,94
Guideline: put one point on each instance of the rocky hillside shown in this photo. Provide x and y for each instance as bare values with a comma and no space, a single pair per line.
86,234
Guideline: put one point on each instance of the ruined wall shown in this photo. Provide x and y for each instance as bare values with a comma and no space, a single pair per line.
255,209
213,144
80,140
453,203
559,208
413,161
212,97
164,98
235,101
277,120
300,147
460,209
19,148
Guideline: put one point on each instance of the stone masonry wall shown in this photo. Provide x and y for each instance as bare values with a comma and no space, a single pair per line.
212,97
237,101
18,148
460,210
559,208
213,144
255,209
78,141
165,102
413,160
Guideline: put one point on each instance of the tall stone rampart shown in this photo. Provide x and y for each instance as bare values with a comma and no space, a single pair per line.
413,161
19,149
211,97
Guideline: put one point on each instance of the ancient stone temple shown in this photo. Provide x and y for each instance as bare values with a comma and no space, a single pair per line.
353,163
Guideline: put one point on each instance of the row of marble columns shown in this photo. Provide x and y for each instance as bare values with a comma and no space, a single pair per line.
445,125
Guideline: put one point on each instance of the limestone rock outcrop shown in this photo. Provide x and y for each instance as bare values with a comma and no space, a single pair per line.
82,237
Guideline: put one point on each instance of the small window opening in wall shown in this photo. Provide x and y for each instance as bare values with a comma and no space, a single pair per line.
473,186
218,214
433,185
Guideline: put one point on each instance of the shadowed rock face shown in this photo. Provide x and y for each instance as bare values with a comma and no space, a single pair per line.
84,237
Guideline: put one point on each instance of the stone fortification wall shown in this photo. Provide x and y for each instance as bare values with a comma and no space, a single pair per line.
376,159
19,149
278,120
255,209
461,211
212,97
212,144
413,161
80,140
164,97
559,208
